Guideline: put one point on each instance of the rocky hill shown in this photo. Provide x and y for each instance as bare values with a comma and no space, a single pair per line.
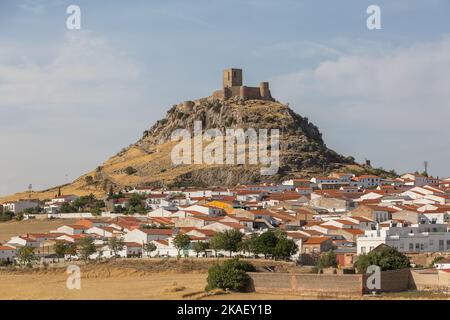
148,161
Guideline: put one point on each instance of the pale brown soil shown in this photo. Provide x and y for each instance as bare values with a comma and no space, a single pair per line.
144,279
16,228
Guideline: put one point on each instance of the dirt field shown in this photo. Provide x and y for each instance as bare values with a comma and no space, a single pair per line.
156,286
15,228
125,279
145,279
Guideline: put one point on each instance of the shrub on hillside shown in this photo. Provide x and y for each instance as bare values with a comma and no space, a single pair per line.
130,170
230,275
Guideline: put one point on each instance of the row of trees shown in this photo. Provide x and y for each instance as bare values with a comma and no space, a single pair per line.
86,247
84,203
134,205
273,244
387,258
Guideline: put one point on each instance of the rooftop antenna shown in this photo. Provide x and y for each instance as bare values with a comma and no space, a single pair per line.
425,164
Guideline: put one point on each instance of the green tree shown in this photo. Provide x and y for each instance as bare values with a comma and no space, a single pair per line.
116,244
86,248
229,240
285,248
231,275
436,260
327,260
248,244
20,216
130,170
149,248
6,216
96,211
215,243
60,249
265,243
89,180
181,242
71,249
110,191
200,247
25,256
67,208
362,263
387,258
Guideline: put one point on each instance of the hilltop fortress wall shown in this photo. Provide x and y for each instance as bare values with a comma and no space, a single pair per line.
233,88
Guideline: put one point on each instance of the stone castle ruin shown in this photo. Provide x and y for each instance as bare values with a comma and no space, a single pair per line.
232,87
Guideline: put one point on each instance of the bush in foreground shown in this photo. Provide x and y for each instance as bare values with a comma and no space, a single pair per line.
231,275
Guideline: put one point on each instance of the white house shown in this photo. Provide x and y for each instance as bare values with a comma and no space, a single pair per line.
221,226
368,181
205,209
63,199
7,253
130,249
23,241
147,235
19,206
72,229
416,179
105,232
404,239
163,249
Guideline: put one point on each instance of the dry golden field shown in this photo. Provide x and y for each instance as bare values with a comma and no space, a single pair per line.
145,279
15,228
123,279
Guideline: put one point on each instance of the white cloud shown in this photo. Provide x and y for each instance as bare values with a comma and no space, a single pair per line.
64,109
82,70
378,103
39,6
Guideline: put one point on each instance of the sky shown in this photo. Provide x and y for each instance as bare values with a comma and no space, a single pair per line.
70,99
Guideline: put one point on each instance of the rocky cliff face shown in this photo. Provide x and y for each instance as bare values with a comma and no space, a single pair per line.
148,161
302,149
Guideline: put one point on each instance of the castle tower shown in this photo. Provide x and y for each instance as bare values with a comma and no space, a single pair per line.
232,78
264,90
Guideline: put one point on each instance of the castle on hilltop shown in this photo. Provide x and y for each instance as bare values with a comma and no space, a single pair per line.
232,87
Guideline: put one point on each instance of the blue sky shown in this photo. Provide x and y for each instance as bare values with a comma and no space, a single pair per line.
71,99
